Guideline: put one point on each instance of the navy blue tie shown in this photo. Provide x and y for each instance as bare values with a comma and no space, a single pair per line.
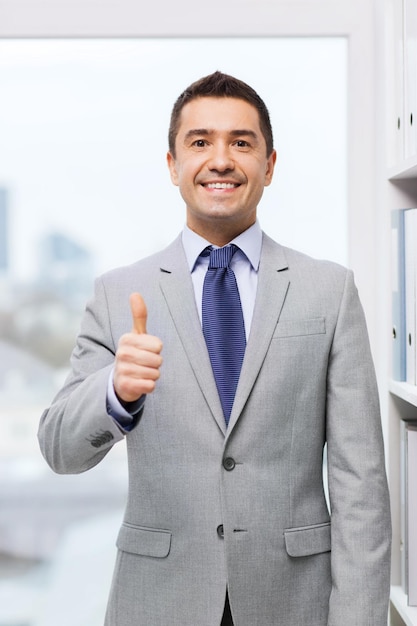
223,324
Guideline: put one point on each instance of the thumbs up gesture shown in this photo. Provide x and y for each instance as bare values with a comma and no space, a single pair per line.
139,313
138,357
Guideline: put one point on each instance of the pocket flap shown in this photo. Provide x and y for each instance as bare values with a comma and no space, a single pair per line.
308,540
299,328
144,541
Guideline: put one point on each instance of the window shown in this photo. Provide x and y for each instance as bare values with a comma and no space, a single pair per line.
83,188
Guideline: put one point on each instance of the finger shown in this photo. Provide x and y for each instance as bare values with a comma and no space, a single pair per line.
139,313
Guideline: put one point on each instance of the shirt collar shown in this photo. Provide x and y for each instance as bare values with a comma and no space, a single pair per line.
250,242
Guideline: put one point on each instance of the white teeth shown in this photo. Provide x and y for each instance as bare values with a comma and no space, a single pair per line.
221,185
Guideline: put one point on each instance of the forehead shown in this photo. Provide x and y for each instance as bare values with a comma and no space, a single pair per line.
219,114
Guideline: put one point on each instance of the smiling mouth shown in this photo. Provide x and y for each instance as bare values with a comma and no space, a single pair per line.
221,185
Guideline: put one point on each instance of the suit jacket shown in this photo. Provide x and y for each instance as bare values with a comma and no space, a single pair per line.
243,507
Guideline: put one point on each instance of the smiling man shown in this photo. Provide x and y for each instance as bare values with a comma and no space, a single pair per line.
235,362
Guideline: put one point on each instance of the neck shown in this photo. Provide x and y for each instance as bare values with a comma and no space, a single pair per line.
219,234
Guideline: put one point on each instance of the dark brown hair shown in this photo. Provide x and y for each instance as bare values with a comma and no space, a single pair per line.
220,85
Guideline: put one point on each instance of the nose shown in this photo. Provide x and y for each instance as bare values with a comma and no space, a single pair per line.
220,158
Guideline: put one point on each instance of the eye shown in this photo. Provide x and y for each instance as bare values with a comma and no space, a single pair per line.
199,143
241,143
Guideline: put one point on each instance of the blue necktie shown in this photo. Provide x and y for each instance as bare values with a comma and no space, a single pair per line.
223,324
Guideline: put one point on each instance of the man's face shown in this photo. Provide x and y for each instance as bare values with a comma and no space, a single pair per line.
221,165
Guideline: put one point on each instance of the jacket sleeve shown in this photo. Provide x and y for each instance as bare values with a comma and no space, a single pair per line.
359,500
77,431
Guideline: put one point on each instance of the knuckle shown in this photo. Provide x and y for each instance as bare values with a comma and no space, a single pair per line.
124,339
150,385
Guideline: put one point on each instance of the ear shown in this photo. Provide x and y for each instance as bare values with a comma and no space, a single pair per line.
172,168
270,165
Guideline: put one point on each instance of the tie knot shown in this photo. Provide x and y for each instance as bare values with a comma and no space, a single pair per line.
221,257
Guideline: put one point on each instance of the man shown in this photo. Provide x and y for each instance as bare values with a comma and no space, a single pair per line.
226,520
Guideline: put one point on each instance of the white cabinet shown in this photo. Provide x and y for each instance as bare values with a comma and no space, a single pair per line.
394,92
397,186
401,84
410,78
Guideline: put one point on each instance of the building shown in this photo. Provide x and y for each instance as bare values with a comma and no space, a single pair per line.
65,268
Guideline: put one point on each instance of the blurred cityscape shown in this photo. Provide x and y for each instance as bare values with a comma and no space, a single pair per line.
57,533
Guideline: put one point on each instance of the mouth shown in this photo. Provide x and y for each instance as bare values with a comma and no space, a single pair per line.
221,185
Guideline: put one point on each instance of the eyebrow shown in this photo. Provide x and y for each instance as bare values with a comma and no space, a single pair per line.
207,132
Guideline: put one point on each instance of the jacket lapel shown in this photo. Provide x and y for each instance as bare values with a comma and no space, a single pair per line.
177,288
273,284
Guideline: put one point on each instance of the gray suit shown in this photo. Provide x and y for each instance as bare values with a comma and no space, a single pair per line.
243,508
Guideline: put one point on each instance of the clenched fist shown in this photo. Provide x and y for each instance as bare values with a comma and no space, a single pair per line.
138,357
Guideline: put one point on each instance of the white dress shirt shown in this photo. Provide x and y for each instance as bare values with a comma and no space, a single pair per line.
245,265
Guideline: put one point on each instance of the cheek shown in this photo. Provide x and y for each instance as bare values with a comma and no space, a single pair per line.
187,175
257,179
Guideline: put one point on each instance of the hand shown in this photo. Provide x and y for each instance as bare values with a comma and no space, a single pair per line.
138,357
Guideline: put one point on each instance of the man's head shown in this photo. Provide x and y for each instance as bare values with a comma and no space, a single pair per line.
220,85
221,155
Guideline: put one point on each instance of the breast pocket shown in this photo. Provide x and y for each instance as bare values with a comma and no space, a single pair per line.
300,328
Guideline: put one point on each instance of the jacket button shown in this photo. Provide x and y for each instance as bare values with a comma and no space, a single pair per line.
220,531
229,463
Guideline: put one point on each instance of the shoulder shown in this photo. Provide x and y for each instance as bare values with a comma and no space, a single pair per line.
300,264
146,268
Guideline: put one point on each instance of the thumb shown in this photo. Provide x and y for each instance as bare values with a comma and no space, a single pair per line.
139,313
